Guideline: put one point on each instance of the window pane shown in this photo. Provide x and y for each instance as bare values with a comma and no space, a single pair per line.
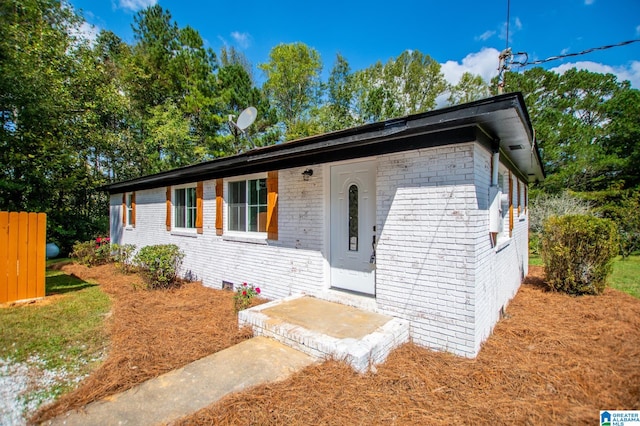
237,218
353,218
257,192
191,217
237,206
253,192
262,219
237,192
191,207
129,206
191,197
180,202
233,218
258,219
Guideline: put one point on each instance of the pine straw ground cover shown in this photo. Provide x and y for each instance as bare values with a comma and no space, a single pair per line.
554,358
151,333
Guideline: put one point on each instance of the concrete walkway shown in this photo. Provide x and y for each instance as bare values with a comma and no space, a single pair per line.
186,390
292,333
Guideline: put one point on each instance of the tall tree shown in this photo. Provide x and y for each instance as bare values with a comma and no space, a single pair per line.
469,88
171,72
406,85
581,120
232,56
46,99
293,86
236,92
623,133
337,113
151,74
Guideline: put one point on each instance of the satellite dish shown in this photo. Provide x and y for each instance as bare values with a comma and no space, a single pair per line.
246,118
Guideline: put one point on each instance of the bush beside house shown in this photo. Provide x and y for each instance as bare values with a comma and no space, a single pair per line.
578,251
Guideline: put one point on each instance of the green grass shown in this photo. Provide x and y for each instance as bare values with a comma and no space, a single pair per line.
535,260
625,276
64,333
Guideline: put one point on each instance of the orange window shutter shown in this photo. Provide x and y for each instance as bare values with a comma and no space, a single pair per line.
124,208
168,218
510,204
272,205
133,209
219,206
519,200
199,207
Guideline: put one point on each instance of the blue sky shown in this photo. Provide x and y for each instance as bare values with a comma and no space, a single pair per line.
462,35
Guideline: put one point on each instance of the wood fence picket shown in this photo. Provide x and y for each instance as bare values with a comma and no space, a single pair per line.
22,255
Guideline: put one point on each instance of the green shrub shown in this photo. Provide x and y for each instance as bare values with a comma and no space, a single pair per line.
93,252
542,206
122,255
578,251
159,264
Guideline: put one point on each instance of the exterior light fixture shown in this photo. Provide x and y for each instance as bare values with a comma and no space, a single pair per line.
307,174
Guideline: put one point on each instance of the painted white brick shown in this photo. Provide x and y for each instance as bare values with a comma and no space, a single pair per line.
435,264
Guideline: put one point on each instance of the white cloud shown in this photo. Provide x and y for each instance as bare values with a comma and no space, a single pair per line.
85,32
518,23
631,72
136,5
485,35
588,2
513,27
564,51
242,39
89,31
638,30
483,63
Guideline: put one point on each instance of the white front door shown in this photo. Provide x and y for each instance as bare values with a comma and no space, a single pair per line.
353,220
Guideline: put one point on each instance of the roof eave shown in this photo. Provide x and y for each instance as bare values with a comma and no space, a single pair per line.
485,113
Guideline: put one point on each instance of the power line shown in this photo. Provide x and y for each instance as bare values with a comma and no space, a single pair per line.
506,53
508,18
526,62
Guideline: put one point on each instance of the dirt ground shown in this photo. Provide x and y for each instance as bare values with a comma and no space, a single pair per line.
553,358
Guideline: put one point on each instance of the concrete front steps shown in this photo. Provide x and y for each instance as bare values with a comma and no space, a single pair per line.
325,329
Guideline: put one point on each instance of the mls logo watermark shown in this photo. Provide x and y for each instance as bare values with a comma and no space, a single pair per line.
620,418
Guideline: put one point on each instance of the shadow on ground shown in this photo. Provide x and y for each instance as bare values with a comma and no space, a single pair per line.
60,283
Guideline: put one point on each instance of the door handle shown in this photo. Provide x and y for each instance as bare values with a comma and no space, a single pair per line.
373,254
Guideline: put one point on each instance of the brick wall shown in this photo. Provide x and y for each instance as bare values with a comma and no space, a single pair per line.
290,265
436,266
426,203
500,269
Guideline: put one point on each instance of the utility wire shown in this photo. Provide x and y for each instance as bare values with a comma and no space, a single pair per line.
508,18
506,54
526,62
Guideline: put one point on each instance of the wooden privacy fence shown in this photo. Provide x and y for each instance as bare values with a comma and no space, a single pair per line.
22,255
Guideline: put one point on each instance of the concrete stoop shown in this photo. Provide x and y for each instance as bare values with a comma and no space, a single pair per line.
325,329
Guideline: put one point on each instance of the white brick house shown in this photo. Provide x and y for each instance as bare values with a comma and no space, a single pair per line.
422,218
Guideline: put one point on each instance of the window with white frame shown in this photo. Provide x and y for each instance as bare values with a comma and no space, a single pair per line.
247,205
129,202
185,207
